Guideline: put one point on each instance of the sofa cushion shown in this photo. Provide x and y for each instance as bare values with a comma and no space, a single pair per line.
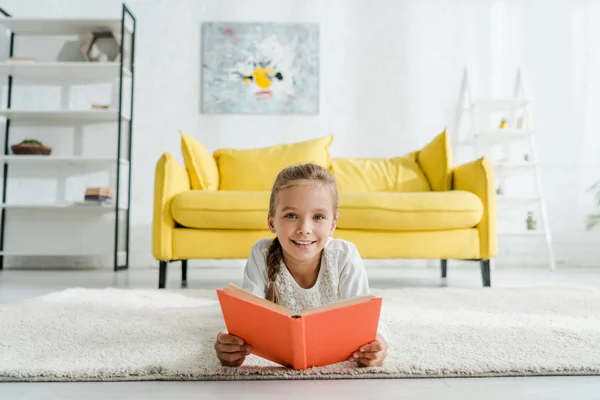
256,169
399,174
200,164
418,211
436,160
387,211
221,209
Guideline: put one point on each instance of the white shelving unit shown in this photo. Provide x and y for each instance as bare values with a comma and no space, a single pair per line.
473,129
118,118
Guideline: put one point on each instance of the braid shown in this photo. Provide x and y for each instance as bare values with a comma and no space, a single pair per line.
274,257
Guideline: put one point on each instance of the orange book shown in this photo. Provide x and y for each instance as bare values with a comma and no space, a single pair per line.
316,337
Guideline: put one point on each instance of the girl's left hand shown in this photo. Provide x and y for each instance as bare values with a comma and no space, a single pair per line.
372,354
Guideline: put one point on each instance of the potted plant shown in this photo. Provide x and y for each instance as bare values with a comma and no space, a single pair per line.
594,219
31,147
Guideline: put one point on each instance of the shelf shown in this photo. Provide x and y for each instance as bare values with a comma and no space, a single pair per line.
62,26
510,200
68,206
514,167
57,159
50,165
51,73
74,116
58,254
500,104
66,226
498,136
523,233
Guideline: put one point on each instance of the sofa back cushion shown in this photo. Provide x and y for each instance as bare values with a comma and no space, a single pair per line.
200,164
399,174
436,160
256,169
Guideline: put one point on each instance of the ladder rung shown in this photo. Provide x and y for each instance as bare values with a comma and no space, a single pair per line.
507,200
515,167
524,233
500,104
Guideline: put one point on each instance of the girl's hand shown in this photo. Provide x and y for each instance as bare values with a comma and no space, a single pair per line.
231,350
372,354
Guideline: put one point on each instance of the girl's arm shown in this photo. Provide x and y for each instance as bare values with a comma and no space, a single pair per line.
255,280
354,282
232,350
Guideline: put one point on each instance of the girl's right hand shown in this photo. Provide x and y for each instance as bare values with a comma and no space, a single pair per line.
231,350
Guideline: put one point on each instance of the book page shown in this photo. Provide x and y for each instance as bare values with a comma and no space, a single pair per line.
337,304
243,294
268,331
333,335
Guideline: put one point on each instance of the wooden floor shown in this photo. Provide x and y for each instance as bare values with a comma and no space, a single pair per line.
16,285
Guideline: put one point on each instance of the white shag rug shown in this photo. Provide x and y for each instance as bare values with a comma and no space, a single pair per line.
117,334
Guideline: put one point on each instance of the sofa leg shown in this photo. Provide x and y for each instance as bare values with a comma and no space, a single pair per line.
184,273
485,273
162,274
444,268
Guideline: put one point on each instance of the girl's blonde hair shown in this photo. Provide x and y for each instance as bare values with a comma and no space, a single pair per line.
288,177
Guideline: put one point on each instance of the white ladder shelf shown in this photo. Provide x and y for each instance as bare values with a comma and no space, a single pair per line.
517,131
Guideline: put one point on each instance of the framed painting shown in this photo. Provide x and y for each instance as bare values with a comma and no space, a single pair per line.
260,68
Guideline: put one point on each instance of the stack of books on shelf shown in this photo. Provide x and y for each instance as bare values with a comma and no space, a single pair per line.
99,196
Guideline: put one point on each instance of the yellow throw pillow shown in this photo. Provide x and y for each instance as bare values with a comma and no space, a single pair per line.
200,164
256,169
436,160
364,174
411,177
399,174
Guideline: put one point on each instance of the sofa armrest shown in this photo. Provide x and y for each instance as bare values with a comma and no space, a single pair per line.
170,178
478,177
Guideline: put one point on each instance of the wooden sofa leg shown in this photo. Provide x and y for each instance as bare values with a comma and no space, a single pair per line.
162,274
444,268
485,273
184,273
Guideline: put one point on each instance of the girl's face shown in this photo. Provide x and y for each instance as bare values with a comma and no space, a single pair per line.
303,221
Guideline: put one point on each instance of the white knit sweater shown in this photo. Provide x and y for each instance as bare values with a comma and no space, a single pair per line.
342,275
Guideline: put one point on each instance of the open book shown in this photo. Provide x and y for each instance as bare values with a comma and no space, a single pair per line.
316,337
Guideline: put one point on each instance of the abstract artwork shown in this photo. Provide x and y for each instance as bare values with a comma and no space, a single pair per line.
260,68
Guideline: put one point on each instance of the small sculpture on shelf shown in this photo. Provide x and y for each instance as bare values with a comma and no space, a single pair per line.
101,47
526,157
522,122
31,147
499,191
531,223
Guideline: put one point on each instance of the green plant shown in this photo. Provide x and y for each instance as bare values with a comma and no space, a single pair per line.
31,141
594,219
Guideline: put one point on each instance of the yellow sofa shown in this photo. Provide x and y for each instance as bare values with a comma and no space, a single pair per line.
415,206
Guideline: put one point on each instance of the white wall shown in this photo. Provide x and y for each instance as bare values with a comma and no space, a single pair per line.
390,70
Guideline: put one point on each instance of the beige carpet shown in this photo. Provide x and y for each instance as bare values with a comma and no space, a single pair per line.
113,335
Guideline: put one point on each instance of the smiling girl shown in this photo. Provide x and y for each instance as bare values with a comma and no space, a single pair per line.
304,266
